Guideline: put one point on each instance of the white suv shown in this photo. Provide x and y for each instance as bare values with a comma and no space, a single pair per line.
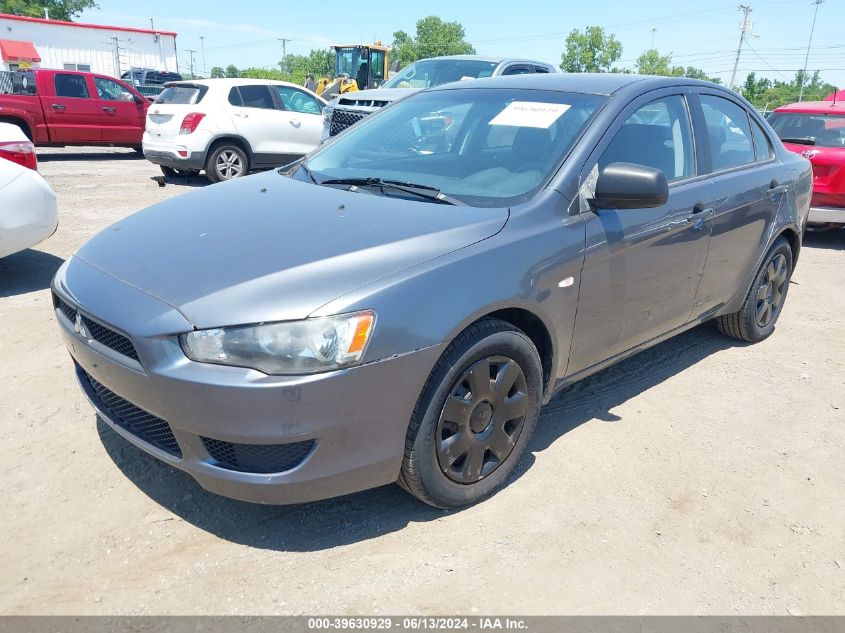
230,126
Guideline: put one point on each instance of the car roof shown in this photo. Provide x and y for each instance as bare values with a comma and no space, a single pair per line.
494,59
814,107
239,81
588,83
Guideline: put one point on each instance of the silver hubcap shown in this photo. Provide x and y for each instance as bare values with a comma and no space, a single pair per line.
229,164
771,289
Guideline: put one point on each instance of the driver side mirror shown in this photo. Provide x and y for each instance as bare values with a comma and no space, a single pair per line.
630,186
136,99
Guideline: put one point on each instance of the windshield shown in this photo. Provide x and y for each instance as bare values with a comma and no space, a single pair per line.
433,72
483,147
822,130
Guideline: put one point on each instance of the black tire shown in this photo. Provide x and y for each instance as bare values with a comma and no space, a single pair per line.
139,151
756,318
169,172
429,471
232,155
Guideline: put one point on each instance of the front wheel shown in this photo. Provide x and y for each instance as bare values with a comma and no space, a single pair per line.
225,163
756,318
474,417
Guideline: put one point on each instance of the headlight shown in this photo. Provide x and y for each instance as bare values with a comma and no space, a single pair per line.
327,115
289,347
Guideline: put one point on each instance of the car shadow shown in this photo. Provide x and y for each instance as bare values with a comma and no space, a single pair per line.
182,181
27,271
832,239
369,514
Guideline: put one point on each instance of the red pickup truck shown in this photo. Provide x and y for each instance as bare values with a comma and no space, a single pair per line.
63,107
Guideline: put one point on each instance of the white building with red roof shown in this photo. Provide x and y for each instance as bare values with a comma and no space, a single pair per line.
110,50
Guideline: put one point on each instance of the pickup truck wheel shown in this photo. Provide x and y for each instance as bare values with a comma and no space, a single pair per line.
169,172
225,163
475,416
755,320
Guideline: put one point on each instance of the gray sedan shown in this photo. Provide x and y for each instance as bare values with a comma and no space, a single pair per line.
399,305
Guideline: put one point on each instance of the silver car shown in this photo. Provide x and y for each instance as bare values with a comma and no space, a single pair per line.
347,109
399,305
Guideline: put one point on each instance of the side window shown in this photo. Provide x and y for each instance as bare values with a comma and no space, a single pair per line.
235,97
541,69
762,145
297,101
377,67
517,70
256,97
657,135
728,131
71,86
109,90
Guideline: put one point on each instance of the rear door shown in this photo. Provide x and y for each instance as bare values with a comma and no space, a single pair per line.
71,109
643,266
166,113
121,117
259,118
749,191
303,118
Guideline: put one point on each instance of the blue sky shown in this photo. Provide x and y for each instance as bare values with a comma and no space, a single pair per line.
704,35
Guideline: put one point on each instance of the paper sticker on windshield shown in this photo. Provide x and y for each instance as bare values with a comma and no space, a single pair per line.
530,114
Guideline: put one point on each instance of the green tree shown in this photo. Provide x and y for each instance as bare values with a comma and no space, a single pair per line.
652,62
766,94
58,9
434,37
319,62
217,72
590,52
232,71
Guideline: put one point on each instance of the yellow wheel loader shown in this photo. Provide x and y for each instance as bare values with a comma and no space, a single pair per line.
357,67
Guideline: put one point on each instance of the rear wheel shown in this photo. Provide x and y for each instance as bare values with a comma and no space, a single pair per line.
475,416
169,172
226,162
756,318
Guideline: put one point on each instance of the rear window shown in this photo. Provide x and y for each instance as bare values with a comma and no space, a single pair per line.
19,82
181,95
823,130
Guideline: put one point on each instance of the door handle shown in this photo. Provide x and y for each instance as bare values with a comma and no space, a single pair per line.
109,109
699,216
295,122
241,115
776,188
58,106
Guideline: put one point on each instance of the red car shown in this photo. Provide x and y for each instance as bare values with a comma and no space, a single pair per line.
64,107
816,130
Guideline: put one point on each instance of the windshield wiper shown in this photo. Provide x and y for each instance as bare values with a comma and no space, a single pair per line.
426,192
799,141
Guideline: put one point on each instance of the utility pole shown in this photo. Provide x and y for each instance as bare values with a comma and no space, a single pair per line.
809,44
652,37
284,42
152,24
191,52
202,46
116,49
745,28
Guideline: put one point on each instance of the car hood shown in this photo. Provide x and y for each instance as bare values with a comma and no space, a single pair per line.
269,248
366,98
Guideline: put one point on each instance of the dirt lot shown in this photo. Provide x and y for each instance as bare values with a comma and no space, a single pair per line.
701,476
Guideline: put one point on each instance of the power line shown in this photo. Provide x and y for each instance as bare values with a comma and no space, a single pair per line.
809,44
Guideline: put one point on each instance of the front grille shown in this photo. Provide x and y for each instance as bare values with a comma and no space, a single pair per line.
257,458
341,119
141,424
97,331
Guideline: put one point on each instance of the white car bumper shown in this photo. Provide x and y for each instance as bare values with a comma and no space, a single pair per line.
28,212
826,215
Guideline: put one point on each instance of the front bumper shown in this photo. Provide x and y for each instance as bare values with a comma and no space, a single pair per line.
347,427
826,215
30,213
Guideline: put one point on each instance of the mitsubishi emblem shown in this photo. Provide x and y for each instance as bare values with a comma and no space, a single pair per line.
79,326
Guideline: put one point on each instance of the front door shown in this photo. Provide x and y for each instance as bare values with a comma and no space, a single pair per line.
260,121
303,119
72,111
642,266
121,118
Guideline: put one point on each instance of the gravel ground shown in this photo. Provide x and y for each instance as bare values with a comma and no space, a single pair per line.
699,477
